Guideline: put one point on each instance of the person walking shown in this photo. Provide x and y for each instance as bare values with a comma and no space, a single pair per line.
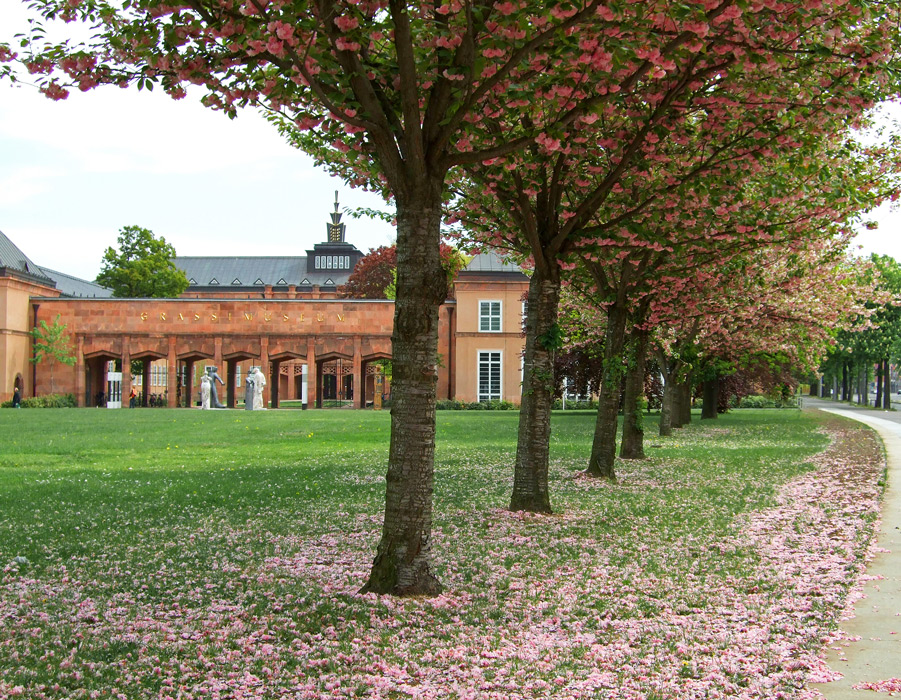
17,398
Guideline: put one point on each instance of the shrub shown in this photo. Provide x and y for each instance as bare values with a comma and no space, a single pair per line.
756,402
48,401
572,405
454,405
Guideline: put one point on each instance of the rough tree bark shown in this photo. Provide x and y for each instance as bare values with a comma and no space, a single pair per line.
669,369
632,446
603,448
530,474
863,393
402,564
886,384
878,403
683,402
711,398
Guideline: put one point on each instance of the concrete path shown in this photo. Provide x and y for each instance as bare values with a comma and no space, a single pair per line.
877,617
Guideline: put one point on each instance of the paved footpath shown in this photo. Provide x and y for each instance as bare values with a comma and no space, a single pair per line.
877,617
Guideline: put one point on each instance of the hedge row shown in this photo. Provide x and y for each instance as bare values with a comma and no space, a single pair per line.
48,401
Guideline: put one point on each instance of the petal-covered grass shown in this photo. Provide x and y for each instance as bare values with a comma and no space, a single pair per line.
188,554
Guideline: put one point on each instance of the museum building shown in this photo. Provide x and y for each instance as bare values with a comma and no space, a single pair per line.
280,313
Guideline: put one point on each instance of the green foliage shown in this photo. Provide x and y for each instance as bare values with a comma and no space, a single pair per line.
142,267
777,401
551,339
576,405
455,405
51,344
47,401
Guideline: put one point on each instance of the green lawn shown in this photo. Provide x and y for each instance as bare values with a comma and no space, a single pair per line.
185,553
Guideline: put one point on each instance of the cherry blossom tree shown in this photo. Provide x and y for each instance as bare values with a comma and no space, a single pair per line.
391,96
592,193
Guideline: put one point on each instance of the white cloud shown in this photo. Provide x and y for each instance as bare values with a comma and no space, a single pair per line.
26,184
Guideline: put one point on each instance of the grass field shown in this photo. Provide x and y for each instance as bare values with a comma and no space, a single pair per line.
218,554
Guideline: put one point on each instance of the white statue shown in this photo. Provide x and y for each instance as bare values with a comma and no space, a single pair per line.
259,381
205,392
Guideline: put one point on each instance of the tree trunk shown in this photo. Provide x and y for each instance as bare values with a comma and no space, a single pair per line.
632,446
711,398
684,406
886,385
878,403
603,448
402,564
863,393
669,369
845,389
530,474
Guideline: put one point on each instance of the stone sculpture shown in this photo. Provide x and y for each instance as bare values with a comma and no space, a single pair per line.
205,392
213,373
259,383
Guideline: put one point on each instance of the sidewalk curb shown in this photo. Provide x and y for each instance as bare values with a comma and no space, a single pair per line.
876,655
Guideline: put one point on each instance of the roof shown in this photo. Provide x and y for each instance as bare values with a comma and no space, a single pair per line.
491,262
16,262
70,286
277,271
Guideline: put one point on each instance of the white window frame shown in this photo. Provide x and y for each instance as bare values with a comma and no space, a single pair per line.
500,362
490,316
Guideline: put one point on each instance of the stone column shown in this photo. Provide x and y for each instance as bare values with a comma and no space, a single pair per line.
231,367
171,374
217,360
312,374
188,388
264,368
274,381
80,389
292,387
126,371
358,372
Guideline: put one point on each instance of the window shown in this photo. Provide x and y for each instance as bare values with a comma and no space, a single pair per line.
525,314
490,375
489,316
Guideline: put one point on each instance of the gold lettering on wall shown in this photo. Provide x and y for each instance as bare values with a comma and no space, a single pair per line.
267,316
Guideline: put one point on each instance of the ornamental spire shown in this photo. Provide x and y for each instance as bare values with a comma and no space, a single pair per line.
336,228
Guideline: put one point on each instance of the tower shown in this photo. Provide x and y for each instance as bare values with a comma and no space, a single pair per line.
335,228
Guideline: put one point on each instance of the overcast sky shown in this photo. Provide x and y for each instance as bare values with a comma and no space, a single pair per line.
72,173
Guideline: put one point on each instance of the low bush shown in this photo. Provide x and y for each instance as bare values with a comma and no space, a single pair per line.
455,405
48,401
575,405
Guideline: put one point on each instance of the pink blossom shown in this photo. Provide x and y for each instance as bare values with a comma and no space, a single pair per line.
346,23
